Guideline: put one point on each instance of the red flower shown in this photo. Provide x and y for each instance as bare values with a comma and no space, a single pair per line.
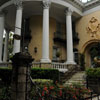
51,87
60,92
43,93
45,88
75,97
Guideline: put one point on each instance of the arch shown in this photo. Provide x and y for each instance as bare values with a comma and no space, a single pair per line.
89,43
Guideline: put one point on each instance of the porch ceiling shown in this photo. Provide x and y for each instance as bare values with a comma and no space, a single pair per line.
35,8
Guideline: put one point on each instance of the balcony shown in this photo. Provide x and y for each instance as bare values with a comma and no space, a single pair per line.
59,37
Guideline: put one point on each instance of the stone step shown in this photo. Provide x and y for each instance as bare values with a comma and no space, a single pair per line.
78,77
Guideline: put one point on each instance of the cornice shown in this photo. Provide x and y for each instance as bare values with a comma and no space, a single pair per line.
76,3
91,4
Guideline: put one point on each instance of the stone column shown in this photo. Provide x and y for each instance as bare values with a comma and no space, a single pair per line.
18,23
70,57
45,39
20,85
1,33
5,55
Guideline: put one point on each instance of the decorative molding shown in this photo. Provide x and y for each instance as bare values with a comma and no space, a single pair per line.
46,3
93,27
88,43
18,3
68,11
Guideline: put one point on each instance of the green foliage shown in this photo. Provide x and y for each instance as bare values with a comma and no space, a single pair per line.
36,73
93,72
5,94
42,81
5,75
43,73
59,92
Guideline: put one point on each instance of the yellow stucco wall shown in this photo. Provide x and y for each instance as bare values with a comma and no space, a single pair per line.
81,26
52,29
84,36
36,41
81,29
36,33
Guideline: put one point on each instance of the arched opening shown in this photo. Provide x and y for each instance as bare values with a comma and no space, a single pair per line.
91,51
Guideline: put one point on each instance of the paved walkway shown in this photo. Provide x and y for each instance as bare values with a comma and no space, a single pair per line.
79,77
95,98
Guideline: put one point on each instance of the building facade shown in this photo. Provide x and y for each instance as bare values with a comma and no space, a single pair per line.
60,31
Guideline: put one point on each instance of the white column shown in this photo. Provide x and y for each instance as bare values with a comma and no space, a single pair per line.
18,24
5,55
70,56
45,39
1,34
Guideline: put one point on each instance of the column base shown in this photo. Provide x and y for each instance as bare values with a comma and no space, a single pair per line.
45,60
70,63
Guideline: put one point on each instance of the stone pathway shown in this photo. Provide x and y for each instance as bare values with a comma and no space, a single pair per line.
95,98
78,77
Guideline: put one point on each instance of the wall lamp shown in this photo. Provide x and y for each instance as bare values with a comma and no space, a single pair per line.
35,49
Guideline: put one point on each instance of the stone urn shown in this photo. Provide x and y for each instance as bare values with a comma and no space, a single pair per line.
97,60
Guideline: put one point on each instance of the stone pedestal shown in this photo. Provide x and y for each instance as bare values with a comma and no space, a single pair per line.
20,76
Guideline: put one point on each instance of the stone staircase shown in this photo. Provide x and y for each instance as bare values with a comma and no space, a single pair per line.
78,77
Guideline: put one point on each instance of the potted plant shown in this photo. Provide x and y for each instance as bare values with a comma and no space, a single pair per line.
97,59
58,54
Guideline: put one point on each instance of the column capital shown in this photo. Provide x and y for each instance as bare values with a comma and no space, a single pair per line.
68,11
18,3
46,4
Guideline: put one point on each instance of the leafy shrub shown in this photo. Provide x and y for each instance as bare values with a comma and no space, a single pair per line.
36,73
5,75
43,73
59,92
93,72
5,94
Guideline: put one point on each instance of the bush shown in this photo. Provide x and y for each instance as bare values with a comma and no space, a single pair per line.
59,92
43,73
5,94
36,73
93,72
5,75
